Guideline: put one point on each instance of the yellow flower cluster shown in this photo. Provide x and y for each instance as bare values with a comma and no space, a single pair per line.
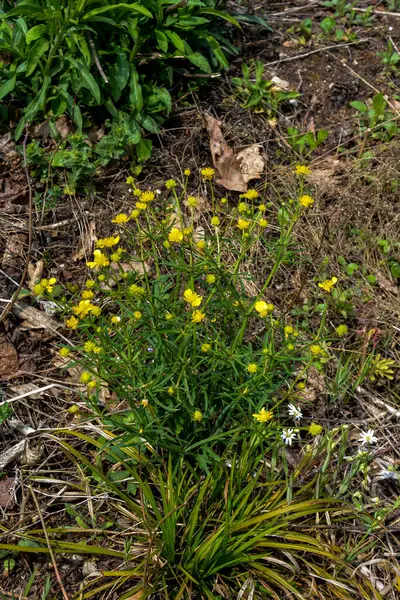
107,242
263,415
263,308
45,285
192,297
328,284
99,260
207,173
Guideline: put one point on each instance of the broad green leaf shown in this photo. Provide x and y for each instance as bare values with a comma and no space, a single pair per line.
254,19
83,47
143,150
7,87
88,81
200,61
111,107
135,95
148,123
360,106
176,40
162,40
35,33
35,54
122,73
221,14
133,7
190,22
165,97
379,103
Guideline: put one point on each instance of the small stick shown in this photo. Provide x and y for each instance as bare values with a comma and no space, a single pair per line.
53,560
96,58
37,391
305,54
28,254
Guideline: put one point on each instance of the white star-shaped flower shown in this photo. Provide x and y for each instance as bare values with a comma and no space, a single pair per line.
288,435
368,437
295,412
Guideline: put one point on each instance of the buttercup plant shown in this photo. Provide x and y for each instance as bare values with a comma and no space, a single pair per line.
164,318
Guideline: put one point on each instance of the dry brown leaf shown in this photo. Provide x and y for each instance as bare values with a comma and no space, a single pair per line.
36,319
326,176
86,243
6,489
386,284
280,84
35,273
9,363
235,170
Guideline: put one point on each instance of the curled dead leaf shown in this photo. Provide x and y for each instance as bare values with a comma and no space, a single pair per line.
235,170
9,363
86,243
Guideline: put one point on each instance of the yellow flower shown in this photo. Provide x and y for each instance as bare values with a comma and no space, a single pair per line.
64,352
38,289
121,218
243,224
197,316
90,346
306,201
168,316
96,311
107,242
187,231
242,207
166,244
342,330
328,284
116,256
250,194
92,384
192,297
170,184
316,349
141,205
130,180
72,323
201,244
136,290
302,170
135,214
175,235
115,319
207,173
206,348
192,201
101,277
137,192
90,283
263,223
224,200
83,308
263,416
290,347
315,429
137,314
301,385
144,402
187,172
147,196
215,222
99,260
197,416
87,295
85,377
171,391
262,208
211,278
288,329
263,308
252,368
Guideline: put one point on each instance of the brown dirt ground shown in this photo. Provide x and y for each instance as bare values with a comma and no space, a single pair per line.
348,196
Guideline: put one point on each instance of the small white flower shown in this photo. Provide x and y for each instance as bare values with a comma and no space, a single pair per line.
368,437
288,436
295,412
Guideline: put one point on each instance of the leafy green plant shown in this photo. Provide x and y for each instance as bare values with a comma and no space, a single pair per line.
89,57
306,143
239,527
259,93
376,120
390,57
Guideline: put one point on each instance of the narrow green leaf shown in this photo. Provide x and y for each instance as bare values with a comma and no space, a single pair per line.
133,7
77,117
35,33
135,96
200,61
7,87
122,74
88,81
162,40
221,14
35,54
176,40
